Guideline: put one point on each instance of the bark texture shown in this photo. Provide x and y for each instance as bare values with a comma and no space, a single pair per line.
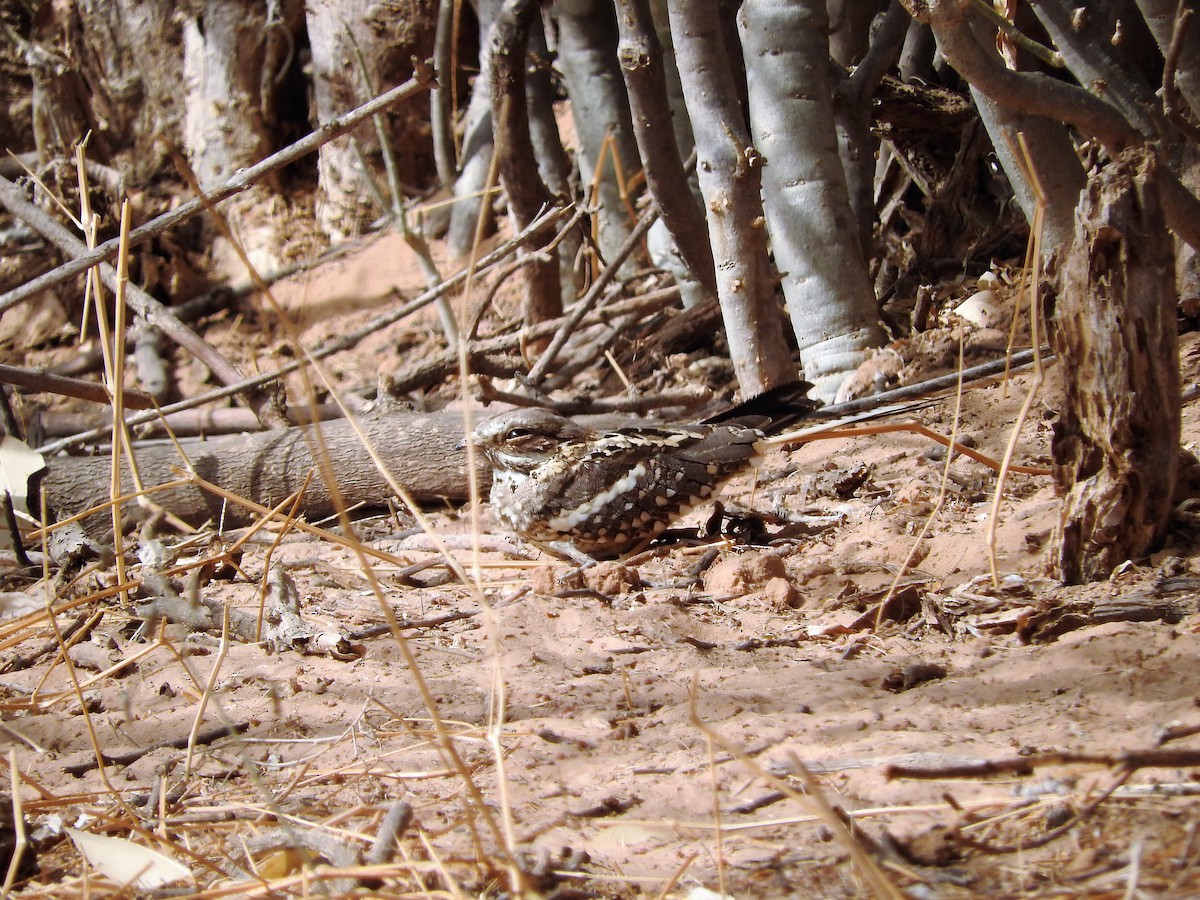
269,466
1116,444
829,293
114,70
641,57
730,180
1160,17
360,47
527,193
223,57
608,153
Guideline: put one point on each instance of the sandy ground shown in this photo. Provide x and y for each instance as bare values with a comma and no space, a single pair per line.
646,729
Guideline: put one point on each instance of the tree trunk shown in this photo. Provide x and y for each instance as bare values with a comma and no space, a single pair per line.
527,193
477,147
1059,171
641,58
129,56
225,119
854,113
608,154
62,114
223,58
730,179
1160,17
1092,58
360,47
829,293
1116,444
553,161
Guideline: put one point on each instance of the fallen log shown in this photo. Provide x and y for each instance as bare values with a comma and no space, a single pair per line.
420,449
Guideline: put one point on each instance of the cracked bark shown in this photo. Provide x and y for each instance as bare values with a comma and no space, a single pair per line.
1116,444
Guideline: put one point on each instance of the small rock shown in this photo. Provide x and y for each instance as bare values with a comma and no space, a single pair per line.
743,573
541,581
612,579
780,594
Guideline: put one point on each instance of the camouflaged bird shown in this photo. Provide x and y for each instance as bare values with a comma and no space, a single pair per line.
565,486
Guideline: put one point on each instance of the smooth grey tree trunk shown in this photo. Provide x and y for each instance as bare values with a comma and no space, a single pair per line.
553,162
729,172
223,122
1160,17
857,144
1059,171
681,124
528,194
685,249
587,55
477,149
1096,63
825,281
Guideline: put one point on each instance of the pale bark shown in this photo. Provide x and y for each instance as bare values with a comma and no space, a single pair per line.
829,293
681,123
730,178
553,161
850,29
357,44
469,200
1097,64
223,56
608,153
131,53
1036,94
475,159
1160,17
440,98
420,449
645,79
852,110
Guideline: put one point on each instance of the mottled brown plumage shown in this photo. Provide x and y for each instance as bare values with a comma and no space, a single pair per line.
558,483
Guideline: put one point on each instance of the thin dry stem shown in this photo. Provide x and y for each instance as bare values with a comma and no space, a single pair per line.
206,696
242,180
1033,256
18,818
832,431
344,342
938,504
76,689
477,808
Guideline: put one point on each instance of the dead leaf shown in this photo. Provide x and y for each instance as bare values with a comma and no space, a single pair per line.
124,862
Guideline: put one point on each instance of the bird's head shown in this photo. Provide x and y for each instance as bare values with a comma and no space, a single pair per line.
523,440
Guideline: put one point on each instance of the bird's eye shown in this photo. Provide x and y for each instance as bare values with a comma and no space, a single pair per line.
515,433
